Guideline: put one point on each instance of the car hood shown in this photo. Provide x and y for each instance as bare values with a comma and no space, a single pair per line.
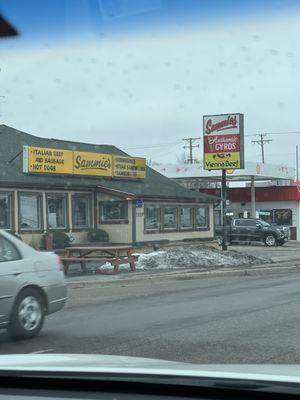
118,365
281,227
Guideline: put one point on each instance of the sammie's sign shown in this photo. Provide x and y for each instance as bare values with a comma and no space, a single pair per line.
223,141
42,160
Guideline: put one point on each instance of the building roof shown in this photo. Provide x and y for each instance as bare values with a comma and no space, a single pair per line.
261,172
270,193
153,186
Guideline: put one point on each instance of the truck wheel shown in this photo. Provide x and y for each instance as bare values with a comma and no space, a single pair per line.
270,240
27,316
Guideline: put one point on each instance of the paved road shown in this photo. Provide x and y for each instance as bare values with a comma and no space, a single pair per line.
236,319
290,250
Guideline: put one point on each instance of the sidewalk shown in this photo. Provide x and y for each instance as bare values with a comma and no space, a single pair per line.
140,276
167,264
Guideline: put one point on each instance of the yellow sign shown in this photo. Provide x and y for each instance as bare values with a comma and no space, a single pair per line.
129,167
57,161
222,160
92,164
45,160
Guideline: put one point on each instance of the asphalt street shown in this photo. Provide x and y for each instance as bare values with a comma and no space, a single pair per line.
242,319
290,250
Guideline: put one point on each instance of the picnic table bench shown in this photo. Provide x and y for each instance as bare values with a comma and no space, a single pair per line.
116,255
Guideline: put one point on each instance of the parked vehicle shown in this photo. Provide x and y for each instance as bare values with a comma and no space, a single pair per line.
255,230
32,285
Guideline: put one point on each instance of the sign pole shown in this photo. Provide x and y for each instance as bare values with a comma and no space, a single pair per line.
297,166
224,236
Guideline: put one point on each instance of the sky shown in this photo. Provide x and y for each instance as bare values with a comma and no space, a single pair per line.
141,74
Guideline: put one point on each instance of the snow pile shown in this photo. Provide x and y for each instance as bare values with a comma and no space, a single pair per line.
196,256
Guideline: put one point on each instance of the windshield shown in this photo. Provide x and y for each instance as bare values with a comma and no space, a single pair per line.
133,134
264,223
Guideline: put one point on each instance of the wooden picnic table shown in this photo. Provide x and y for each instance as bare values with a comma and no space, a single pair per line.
116,255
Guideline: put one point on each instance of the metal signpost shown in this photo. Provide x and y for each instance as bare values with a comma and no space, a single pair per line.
223,148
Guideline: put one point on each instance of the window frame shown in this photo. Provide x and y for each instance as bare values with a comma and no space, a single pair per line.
186,228
102,221
202,228
153,230
90,216
176,207
39,195
58,194
10,196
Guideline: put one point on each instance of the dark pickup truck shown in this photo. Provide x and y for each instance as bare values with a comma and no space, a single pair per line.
255,230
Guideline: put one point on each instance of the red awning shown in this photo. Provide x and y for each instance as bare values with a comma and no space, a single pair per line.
269,193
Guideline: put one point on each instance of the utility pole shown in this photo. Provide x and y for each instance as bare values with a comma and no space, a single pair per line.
261,142
191,146
297,165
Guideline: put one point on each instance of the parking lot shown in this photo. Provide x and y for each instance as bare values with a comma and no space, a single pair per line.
289,251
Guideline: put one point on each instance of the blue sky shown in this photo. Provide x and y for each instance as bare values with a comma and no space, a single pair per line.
65,19
141,74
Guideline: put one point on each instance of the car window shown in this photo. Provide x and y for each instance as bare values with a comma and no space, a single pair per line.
245,222
239,222
250,222
8,251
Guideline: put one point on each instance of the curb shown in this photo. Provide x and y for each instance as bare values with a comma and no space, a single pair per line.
255,270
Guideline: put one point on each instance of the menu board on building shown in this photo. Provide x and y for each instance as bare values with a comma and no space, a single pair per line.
42,160
223,141
129,167
45,160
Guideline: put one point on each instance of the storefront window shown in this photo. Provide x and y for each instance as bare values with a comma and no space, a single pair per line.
170,218
152,218
114,211
266,215
57,211
283,217
201,217
186,218
30,211
81,211
5,211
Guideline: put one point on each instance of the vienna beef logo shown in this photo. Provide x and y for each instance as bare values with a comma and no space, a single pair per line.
228,123
83,164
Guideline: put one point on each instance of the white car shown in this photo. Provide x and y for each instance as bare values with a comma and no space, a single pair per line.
32,285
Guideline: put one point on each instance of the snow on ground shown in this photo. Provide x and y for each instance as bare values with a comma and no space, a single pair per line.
196,256
192,256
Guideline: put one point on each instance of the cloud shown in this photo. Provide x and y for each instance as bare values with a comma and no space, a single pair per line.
144,89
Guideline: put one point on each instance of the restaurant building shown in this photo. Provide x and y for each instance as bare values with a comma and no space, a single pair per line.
50,184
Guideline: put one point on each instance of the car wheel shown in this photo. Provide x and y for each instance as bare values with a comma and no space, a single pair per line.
28,315
270,240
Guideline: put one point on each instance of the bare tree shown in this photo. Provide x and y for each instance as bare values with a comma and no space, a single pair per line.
181,158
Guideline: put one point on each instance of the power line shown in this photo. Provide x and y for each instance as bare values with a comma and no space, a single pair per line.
277,133
191,146
261,142
153,146
283,133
